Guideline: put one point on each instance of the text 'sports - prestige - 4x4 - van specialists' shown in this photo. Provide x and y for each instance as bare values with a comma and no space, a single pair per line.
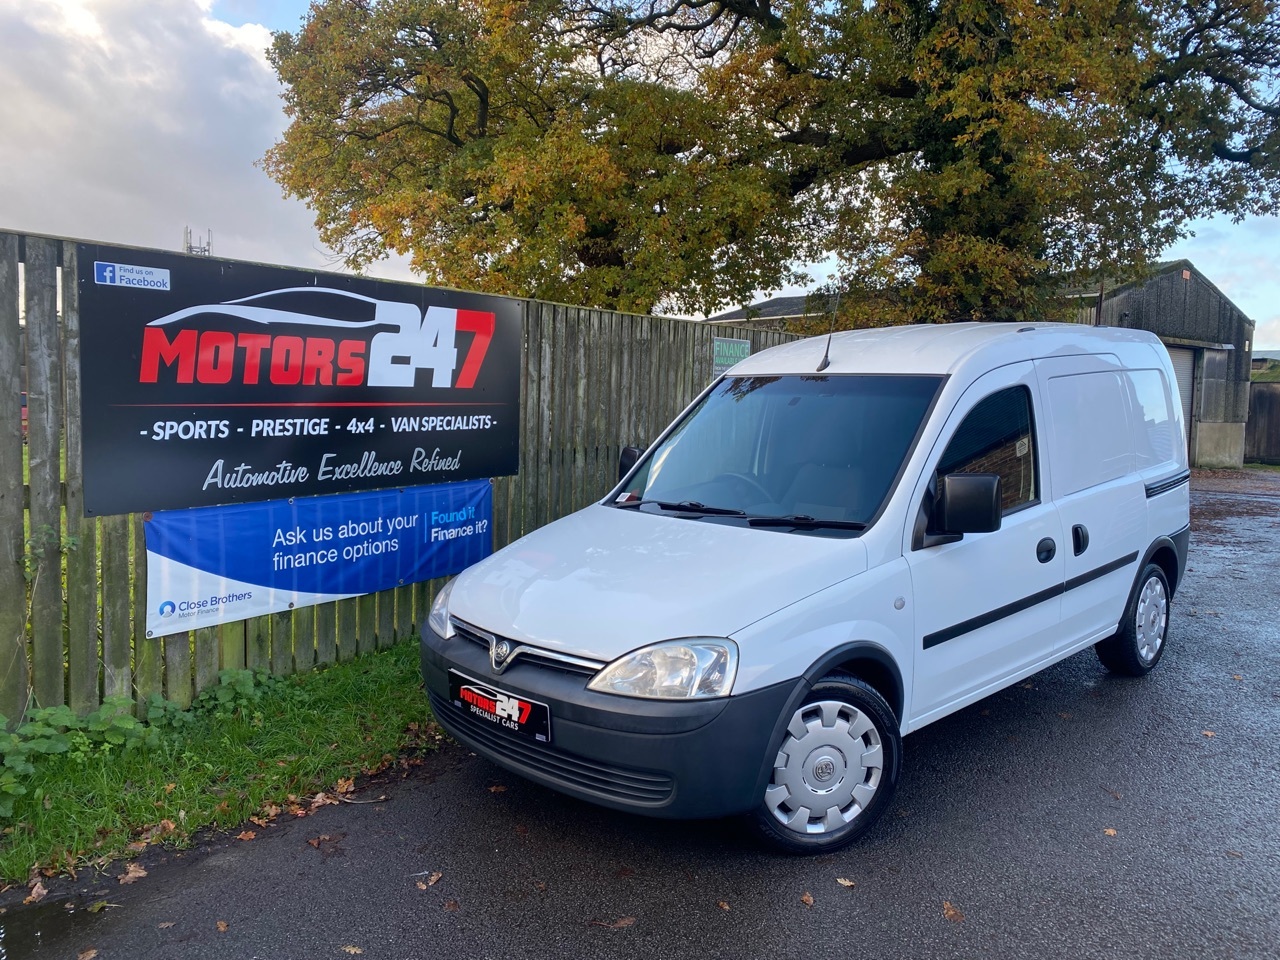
836,544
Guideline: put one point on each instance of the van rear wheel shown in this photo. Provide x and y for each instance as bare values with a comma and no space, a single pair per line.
835,771
1139,643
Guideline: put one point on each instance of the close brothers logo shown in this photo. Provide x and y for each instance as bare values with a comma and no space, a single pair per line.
382,343
168,609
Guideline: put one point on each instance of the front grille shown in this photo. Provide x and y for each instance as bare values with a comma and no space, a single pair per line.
604,780
528,655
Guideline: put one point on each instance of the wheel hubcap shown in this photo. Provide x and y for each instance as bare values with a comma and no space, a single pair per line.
1152,619
827,770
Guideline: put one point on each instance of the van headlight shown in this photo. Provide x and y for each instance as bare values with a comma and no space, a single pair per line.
694,668
439,618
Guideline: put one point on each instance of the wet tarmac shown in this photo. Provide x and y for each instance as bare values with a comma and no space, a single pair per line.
1075,815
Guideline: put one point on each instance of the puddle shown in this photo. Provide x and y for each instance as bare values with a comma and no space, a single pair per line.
44,930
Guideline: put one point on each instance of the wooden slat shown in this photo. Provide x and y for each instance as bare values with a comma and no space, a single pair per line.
231,646
257,643
367,623
281,643
207,648
404,612
14,666
117,628
347,636
177,669
83,657
44,422
326,633
386,618
148,672
304,639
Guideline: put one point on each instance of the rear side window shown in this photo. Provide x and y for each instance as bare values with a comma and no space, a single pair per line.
1092,443
997,437
1154,433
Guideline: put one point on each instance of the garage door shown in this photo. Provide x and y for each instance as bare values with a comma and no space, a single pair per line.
1184,369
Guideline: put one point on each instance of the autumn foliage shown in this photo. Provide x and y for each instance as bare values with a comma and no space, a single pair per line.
957,157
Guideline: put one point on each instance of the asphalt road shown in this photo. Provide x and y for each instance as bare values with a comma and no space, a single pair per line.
1074,816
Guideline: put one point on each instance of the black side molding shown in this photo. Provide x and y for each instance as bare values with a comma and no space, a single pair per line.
1009,609
1172,483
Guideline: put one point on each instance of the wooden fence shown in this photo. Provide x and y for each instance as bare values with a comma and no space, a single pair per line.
1262,432
72,590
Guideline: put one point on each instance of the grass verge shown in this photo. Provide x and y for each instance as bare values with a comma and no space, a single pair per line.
254,746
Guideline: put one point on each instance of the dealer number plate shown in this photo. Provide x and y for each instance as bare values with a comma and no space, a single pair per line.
516,714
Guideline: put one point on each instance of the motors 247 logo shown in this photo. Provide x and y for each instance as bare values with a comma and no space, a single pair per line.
314,337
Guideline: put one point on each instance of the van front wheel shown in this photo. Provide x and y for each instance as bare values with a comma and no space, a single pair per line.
1139,643
835,771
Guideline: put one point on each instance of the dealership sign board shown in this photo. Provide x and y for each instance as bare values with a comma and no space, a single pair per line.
214,565
214,381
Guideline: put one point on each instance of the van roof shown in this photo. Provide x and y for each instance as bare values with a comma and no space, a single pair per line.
942,348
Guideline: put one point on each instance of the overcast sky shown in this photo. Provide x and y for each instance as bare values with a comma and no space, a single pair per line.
125,121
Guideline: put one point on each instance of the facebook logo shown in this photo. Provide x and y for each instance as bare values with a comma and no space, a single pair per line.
129,275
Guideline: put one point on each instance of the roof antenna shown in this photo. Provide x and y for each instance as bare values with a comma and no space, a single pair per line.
826,354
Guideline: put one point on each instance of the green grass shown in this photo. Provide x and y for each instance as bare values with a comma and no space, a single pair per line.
1273,467
245,747
1269,374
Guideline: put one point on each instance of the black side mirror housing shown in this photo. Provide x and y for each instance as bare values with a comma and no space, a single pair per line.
968,503
627,459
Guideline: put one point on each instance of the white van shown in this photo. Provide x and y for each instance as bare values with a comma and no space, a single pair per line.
841,540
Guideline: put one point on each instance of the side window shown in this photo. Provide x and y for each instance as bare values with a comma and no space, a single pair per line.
997,437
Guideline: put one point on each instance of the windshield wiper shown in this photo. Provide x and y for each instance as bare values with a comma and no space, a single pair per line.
685,506
806,521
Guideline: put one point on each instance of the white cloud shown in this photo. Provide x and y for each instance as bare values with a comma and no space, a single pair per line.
127,120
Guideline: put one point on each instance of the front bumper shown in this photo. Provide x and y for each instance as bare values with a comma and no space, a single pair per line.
686,759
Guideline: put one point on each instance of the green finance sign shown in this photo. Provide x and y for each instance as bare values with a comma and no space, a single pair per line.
726,352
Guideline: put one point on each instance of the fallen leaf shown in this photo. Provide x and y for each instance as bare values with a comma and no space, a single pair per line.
723,905
1027,686
434,878
1208,733
346,784
1236,676
951,913
170,787
316,841
620,924
223,926
845,883
245,835
1235,853
807,899
421,885
497,788
131,873
351,949
259,821
451,905
100,905
540,886
137,846
87,954
164,926
1110,831
1113,793
38,893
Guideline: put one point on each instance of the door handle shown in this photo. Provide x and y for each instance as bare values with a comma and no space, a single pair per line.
1080,538
1046,549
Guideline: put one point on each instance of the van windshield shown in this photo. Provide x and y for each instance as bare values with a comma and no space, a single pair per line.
811,448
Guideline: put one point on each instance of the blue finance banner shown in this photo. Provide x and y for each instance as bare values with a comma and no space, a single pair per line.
213,565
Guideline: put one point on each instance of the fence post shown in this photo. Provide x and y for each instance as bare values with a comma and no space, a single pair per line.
13,588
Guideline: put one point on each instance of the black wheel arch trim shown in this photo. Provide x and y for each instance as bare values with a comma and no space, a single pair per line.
1177,543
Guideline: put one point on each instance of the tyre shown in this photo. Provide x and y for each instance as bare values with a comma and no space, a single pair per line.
835,771
1139,643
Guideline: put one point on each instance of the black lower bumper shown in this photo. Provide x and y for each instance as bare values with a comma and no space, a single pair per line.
691,759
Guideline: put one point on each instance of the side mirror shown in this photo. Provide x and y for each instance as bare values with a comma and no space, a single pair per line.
968,503
627,459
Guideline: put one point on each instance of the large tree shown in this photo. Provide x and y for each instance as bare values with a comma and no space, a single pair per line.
958,158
